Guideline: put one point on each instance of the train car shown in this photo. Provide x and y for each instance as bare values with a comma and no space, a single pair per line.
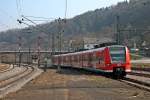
113,59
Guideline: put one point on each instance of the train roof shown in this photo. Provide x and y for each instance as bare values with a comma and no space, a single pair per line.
91,50
105,44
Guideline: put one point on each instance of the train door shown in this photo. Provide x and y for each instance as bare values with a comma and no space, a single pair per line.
85,60
94,59
70,60
100,63
74,60
90,59
64,60
80,60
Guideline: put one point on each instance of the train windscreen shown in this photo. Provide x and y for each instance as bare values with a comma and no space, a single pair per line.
117,54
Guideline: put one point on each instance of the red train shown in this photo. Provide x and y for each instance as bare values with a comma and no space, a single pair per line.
114,59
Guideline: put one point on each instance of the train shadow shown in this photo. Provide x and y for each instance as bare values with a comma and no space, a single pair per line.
79,71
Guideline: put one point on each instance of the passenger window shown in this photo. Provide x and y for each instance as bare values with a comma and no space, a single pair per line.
100,60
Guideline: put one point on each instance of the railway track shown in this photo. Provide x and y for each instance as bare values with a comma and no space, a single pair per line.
5,81
140,73
11,72
7,69
138,79
12,80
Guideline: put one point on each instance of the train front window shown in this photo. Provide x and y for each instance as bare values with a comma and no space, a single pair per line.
117,54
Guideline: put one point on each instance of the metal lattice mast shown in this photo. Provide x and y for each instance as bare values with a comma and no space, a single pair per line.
39,48
118,29
19,49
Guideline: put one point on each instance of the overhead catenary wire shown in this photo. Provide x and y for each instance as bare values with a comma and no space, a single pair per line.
19,8
20,22
20,5
5,13
4,25
40,17
66,8
12,19
28,19
38,28
60,37
38,20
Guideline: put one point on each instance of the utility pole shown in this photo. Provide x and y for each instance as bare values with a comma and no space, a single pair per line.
19,43
38,44
61,23
15,56
83,43
59,44
29,56
19,49
53,44
118,29
60,33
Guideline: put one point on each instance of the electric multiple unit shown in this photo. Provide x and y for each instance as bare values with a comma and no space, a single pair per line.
114,59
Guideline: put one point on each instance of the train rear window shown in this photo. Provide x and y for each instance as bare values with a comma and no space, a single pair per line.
117,54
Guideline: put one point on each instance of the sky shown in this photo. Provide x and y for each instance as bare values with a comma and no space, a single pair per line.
11,10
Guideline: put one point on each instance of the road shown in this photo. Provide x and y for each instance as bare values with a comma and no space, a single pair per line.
71,84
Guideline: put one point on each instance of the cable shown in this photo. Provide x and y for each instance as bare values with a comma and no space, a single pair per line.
18,10
37,27
2,24
66,9
11,17
28,20
20,22
17,5
20,5
39,17
38,20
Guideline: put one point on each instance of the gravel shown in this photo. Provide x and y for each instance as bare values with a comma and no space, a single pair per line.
72,84
3,67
